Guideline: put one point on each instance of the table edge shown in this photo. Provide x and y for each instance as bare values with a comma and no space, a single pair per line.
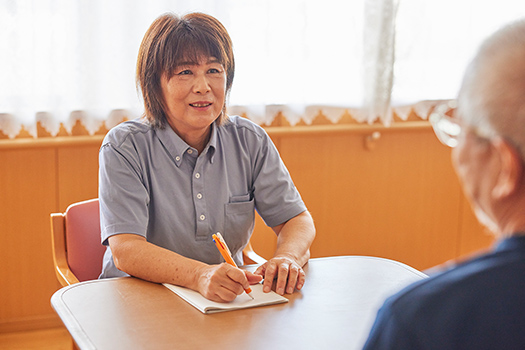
83,341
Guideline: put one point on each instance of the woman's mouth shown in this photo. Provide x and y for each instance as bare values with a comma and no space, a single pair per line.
200,104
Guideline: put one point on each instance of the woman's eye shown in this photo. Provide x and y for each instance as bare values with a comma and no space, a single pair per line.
214,70
184,72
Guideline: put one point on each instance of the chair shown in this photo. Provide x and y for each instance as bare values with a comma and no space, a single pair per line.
75,235
77,252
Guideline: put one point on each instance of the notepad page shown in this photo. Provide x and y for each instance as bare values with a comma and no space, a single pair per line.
242,301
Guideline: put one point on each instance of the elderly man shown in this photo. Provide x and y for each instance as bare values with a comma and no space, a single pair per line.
479,304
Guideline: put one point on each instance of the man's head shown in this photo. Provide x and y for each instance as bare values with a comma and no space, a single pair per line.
492,96
489,156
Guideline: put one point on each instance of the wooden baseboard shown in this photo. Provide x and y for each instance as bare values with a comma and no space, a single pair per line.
30,323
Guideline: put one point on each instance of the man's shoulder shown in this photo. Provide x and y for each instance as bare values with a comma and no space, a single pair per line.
456,288
470,306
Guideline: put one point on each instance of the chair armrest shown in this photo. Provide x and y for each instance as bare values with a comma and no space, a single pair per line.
62,270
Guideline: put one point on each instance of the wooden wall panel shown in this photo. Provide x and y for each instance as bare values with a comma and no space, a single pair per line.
77,174
400,200
28,195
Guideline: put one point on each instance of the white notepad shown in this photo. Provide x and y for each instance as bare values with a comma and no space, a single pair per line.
242,301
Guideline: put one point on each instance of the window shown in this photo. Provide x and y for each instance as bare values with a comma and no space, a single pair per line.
63,60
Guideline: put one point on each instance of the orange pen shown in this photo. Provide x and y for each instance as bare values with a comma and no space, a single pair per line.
227,255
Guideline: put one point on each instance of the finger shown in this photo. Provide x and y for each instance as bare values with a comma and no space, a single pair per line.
301,279
269,275
221,286
282,277
293,275
253,278
261,269
219,293
238,277
224,295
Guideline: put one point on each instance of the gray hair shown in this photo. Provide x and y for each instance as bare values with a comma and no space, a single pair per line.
492,95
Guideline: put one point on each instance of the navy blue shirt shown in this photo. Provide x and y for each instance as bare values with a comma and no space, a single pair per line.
479,304
153,184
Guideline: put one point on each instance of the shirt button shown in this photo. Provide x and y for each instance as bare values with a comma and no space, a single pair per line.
190,151
202,217
197,175
199,195
177,158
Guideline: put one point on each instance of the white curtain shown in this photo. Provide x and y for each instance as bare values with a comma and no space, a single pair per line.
63,60
379,54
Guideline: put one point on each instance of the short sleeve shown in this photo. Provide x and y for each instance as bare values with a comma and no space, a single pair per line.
122,193
276,198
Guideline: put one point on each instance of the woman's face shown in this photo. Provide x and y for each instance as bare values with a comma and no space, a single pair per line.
194,96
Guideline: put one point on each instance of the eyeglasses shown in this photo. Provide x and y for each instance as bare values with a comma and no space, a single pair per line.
447,129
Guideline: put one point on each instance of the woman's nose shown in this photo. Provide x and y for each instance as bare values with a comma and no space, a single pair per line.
201,85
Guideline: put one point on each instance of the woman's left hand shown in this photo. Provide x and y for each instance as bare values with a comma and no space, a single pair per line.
288,272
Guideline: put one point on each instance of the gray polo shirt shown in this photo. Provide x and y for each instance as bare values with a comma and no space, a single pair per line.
151,183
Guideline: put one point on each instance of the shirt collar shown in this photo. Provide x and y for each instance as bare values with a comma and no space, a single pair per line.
515,242
177,147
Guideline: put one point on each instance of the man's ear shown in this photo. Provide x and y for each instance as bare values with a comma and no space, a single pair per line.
511,169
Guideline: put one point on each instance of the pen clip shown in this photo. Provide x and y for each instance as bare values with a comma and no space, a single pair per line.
223,242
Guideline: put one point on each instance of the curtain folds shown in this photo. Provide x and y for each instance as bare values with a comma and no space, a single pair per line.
66,62
379,38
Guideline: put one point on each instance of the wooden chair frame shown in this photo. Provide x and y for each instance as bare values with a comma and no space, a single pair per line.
63,272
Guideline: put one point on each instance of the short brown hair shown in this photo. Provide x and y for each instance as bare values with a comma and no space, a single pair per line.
171,40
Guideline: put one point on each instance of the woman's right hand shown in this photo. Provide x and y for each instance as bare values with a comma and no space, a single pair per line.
137,257
222,283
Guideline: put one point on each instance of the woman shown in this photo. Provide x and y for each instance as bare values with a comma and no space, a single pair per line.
186,170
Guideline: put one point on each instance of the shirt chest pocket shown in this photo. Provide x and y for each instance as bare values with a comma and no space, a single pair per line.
239,221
